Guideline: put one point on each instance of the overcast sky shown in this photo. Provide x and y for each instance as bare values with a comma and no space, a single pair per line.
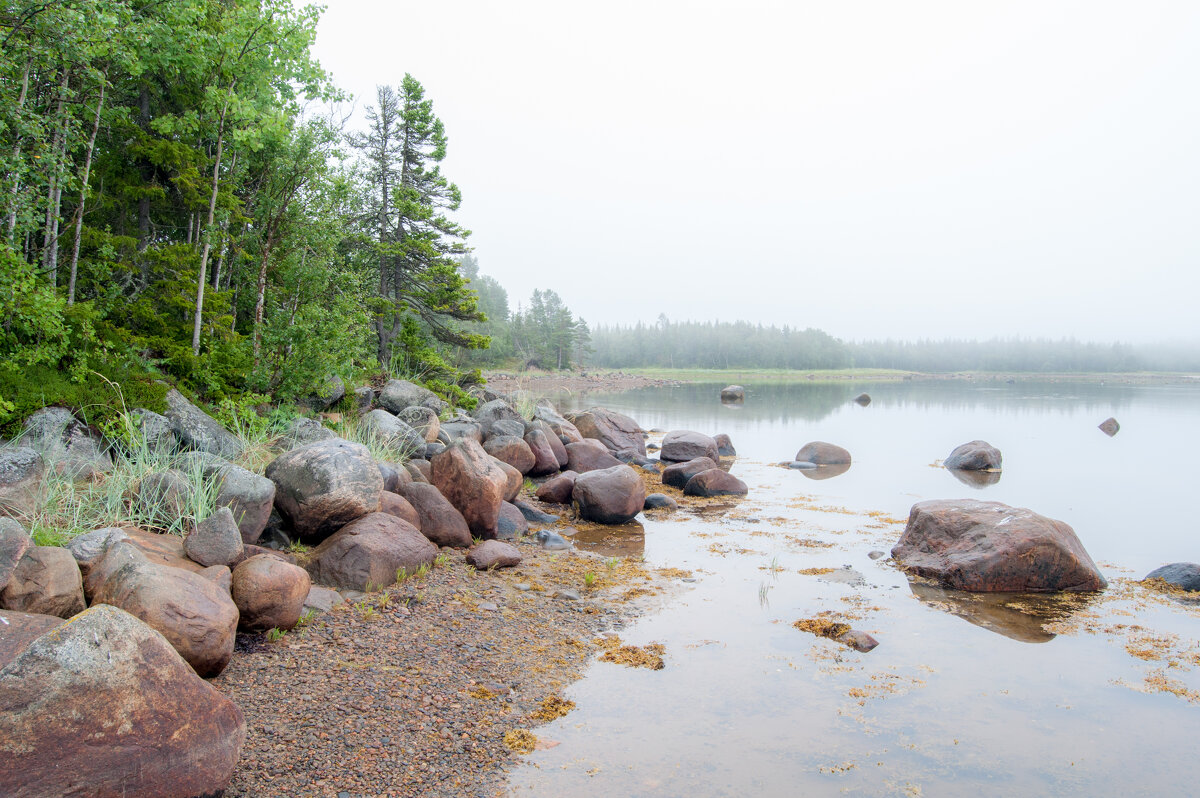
874,169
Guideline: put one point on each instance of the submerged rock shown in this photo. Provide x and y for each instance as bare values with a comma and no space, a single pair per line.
733,393
974,456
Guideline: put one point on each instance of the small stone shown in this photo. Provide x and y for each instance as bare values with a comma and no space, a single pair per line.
488,606
876,555
552,541
216,540
522,586
567,595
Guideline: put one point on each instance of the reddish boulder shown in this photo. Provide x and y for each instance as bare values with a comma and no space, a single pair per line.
397,505
46,581
681,446
14,542
321,487
512,450
725,445
367,554
677,475
715,482
556,442
974,456
19,629
610,496
494,554
269,593
821,453
545,461
102,706
558,490
474,484
991,547
420,470
440,522
583,456
1109,426
512,522
514,480
616,431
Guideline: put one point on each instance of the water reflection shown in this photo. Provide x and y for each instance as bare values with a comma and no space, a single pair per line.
1018,616
826,471
975,479
624,540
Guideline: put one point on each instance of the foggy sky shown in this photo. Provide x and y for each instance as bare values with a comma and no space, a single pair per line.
874,169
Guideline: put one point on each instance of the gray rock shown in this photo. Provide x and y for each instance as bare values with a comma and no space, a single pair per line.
567,595
862,399
66,444
733,393
489,414
680,446
534,515
1109,427
248,495
364,397
822,453
423,420
615,430
460,428
552,541
330,392
194,429
433,449
90,547
323,486
505,427
802,465
660,501
215,541
877,555
1184,575
21,471
153,430
511,522
306,430
399,394
46,581
725,446
160,499
322,599
386,428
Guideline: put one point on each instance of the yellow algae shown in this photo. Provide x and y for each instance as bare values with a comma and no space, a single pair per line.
822,627
816,571
649,656
520,741
552,708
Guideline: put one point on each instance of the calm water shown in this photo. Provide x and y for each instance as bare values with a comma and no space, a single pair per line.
992,696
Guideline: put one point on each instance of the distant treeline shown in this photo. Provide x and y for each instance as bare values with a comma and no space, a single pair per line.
718,345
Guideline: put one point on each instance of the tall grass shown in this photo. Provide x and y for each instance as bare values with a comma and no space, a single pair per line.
382,448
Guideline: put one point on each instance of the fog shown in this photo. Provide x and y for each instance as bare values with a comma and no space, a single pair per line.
873,169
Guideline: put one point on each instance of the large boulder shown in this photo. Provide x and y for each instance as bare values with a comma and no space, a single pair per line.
152,431
558,490
470,478
440,522
14,542
974,456
328,393
610,496
368,553
89,548
102,706
195,429
715,482
423,420
386,428
511,523
991,547
1183,575
195,614
399,394
556,444
269,593
494,554
487,415
681,446
321,487
21,472
822,453
46,581
512,450
583,457
248,496
17,631
215,540
545,461
616,431
515,479
305,430
161,498
678,474
565,430
66,443
733,393
725,445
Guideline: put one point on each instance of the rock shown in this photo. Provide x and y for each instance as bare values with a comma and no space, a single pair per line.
269,593
46,581
328,394
567,595
14,543
158,549
419,470
102,706
552,438
21,472
277,535
876,555
472,481
152,431
534,515
862,400
423,420
822,453
563,429
250,550
440,522
215,540
614,430
715,482
505,427
1110,427
681,446
511,523
859,641
194,614
397,505
725,446
306,430
583,457
494,554
387,429
460,428
974,456
367,554
195,429
975,479
545,461
552,541
322,599
249,496
733,393
18,630
659,501
323,486
66,444
487,415
364,397
557,490
399,394
391,476
677,475
1184,575
991,547
220,575
610,496
512,450
432,449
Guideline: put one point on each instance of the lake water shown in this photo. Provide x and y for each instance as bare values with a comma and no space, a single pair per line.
965,694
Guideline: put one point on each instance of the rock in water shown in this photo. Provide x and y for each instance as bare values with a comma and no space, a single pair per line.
991,547
725,446
974,456
733,393
822,453
677,475
681,446
1183,575
610,496
862,400
323,486
715,482
103,706
660,501
1110,427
